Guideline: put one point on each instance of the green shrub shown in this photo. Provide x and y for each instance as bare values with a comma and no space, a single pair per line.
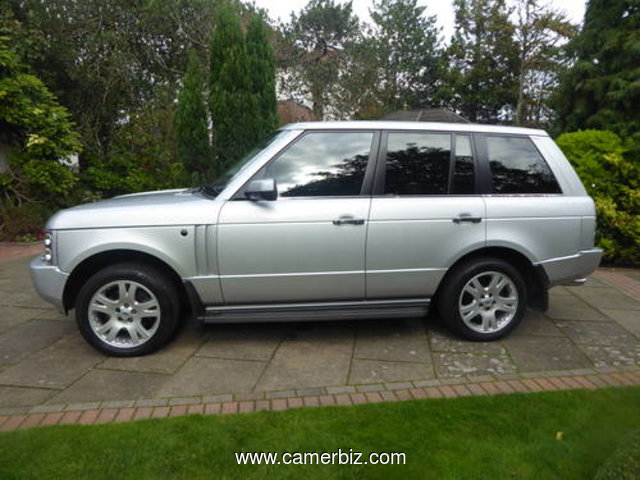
24,222
624,464
610,171
141,157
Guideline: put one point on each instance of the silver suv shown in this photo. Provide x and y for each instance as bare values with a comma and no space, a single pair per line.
335,220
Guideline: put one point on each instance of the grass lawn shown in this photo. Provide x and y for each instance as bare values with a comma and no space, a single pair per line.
498,437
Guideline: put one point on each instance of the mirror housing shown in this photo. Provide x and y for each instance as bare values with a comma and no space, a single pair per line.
263,189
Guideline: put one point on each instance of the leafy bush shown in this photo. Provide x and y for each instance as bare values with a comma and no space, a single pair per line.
23,223
610,171
141,157
39,131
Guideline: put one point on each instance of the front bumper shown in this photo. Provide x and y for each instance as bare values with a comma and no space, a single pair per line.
567,269
48,280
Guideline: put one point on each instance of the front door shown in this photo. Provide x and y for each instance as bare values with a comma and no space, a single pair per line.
309,244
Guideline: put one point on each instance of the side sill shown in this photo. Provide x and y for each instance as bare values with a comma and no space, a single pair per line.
316,311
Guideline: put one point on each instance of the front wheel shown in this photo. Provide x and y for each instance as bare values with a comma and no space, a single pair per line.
483,299
127,310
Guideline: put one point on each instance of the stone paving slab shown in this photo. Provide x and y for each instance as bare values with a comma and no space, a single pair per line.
580,334
57,366
314,357
213,375
374,371
536,354
399,341
463,364
100,385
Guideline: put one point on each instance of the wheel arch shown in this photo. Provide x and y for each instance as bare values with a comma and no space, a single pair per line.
534,276
92,264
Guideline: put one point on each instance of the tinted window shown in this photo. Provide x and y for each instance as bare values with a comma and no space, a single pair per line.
518,167
463,172
322,164
417,163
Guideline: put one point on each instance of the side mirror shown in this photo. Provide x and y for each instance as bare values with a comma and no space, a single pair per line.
263,189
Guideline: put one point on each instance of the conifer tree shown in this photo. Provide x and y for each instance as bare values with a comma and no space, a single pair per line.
193,148
602,89
233,108
482,62
263,76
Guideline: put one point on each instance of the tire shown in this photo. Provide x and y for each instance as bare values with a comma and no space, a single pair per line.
128,310
483,299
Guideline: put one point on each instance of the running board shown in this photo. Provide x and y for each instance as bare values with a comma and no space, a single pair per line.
293,312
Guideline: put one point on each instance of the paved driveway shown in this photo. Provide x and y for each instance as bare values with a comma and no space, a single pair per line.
44,361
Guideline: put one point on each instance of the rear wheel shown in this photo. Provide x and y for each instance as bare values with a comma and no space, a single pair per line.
483,299
127,310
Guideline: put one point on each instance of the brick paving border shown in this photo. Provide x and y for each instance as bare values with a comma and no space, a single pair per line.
10,250
628,285
531,384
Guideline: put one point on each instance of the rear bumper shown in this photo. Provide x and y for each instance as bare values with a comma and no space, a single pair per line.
573,267
48,280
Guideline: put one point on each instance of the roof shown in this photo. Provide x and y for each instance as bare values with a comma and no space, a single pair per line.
427,115
433,126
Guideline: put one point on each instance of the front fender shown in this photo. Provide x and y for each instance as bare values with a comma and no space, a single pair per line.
174,245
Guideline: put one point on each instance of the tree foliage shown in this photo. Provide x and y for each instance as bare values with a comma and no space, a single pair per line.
317,42
193,148
541,33
39,130
611,174
406,46
142,155
263,76
233,107
602,89
481,79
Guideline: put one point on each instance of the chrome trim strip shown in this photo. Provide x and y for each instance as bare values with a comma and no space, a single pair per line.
591,251
309,274
323,305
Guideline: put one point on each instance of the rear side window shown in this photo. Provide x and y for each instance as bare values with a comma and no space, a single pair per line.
517,167
417,163
322,164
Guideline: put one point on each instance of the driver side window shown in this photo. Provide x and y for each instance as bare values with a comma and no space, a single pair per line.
322,164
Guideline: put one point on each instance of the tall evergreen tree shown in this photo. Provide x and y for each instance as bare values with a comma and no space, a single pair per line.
318,45
407,48
263,76
232,105
482,62
193,148
602,89
541,33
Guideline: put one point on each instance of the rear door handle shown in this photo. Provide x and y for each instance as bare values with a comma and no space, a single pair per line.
465,217
348,220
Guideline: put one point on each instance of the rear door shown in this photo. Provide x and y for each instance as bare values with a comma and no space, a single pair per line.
424,212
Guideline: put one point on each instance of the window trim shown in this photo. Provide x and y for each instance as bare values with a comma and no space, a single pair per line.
367,180
378,184
486,184
452,165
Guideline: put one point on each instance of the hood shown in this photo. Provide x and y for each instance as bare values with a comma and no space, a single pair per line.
162,207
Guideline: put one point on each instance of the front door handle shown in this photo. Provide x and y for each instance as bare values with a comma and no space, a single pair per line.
465,217
348,220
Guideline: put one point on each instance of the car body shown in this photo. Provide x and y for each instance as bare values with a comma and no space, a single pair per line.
332,220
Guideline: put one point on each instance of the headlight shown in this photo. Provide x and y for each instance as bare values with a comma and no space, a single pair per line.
48,247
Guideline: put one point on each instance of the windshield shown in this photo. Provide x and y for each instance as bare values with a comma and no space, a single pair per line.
215,188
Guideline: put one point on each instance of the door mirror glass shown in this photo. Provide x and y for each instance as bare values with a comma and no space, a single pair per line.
263,189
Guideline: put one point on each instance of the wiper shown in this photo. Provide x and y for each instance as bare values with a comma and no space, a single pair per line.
211,189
